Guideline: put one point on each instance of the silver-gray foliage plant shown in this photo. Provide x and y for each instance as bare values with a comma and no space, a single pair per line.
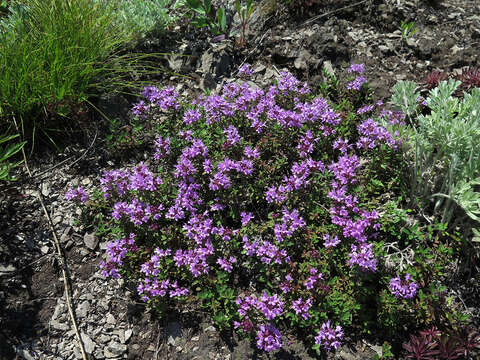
444,146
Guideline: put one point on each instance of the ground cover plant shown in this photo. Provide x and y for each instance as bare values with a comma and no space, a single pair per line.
278,212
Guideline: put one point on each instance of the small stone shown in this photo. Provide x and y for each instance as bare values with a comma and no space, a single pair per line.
121,335
195,338
114,349
46,189
111,319
77,353
90,241
58,326
128,334
210,328
327,65
174,331
44,249
7,268
88,344
104,338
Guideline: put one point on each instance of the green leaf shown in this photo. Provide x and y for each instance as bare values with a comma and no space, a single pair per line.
238,7
222,19
207,5
196,6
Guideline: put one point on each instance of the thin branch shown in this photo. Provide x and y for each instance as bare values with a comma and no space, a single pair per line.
315,18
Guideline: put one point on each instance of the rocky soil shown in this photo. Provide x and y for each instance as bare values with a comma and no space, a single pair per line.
34,322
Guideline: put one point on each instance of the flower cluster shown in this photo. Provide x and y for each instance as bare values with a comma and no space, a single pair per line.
329,337
405,289
268,338
301,307
117,251
372,134
76,194
155,288
245,70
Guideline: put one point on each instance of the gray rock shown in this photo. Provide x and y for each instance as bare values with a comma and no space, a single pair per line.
86,181
114,349
7,268
207,60
88,344
46,189
83,308
103,338
58,326
211,328
111,319
128,334
90,241
77,353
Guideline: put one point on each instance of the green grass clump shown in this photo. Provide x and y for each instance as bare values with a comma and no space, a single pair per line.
58,53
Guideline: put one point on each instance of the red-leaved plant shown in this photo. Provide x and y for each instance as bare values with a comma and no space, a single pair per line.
469,340
470,78
433,79
423,347
433,344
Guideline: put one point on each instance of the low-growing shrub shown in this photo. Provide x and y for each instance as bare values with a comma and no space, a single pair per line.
263,207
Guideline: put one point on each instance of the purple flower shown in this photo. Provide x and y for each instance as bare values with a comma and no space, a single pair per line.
365,109
76,194
286,286
270,306
167,99
362,255
301,307
117,251
329,337
191,116
140,109
306,143
251,153
246,217
219,181
342,145
405,289
246,325
357,68
357,83
312,280
226,264
162,147
233,136
151,93
245,70
268,338
329,242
